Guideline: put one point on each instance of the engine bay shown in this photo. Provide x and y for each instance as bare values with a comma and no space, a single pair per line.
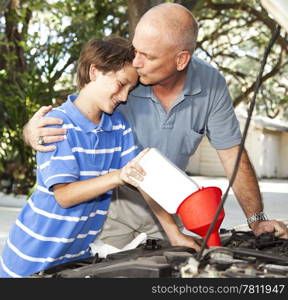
242,255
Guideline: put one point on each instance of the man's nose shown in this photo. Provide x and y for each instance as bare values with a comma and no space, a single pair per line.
137,61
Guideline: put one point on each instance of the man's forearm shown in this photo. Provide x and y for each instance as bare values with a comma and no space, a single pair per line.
245,186
25,135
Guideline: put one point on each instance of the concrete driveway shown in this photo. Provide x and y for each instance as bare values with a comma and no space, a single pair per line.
10,207
274,192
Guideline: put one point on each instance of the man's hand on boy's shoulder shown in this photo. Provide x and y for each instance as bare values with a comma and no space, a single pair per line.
36,135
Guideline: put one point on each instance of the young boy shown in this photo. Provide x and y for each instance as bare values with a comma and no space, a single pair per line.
75,181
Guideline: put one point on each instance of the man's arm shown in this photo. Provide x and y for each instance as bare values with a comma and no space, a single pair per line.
245,185
247,191
35,128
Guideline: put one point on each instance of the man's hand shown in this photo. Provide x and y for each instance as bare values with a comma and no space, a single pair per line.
279,228
35,129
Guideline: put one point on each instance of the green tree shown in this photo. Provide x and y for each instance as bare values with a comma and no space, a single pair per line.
40,42
233,36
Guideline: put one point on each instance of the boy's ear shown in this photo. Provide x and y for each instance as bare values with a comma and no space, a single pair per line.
92,73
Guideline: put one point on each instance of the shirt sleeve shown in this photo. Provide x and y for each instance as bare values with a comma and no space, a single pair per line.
58,166
129,147
223,129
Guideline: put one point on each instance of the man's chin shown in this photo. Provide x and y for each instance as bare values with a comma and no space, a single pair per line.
144,81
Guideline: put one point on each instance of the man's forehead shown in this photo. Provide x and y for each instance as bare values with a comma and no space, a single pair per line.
147,43
141,46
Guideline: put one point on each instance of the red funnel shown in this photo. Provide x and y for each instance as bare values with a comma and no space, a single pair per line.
197,212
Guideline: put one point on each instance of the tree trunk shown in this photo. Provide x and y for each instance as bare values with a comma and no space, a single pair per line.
190,4
13,35
3,5
136,8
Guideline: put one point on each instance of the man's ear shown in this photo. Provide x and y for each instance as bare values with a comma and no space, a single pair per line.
182,60
92,73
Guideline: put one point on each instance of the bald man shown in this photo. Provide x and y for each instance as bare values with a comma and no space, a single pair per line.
180,99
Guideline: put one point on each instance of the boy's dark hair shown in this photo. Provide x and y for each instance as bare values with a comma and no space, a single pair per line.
107,54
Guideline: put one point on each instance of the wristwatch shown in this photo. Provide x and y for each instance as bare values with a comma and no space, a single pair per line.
260,216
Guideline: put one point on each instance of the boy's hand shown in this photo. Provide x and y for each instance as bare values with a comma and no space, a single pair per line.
132,173
36,135
185,240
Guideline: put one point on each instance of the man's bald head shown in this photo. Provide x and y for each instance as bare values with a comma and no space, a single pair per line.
174,22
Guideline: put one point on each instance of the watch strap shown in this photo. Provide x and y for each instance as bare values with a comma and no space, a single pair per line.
260,216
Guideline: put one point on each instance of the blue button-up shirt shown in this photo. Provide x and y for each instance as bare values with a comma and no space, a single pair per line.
204,107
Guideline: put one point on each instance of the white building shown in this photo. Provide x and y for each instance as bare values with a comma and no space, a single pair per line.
266,143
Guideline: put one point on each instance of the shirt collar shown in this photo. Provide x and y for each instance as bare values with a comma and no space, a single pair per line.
141,91
192,84
84,123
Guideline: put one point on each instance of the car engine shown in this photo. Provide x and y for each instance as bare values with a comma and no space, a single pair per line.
242,255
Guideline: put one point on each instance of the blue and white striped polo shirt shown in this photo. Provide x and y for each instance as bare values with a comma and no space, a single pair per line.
45,234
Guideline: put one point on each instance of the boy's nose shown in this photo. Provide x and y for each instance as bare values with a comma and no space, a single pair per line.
123,96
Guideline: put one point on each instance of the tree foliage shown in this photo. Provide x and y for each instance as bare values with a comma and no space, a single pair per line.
41,40
233,36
